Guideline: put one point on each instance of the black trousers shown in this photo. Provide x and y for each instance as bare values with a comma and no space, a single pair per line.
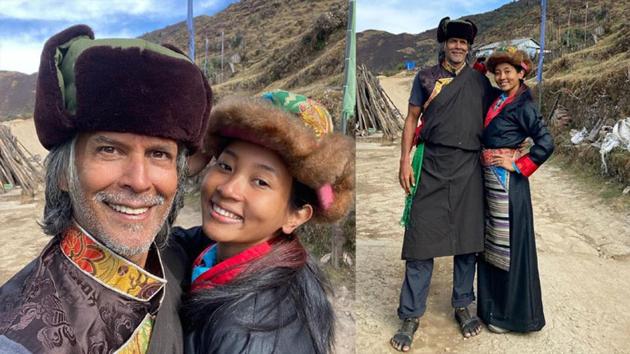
415,288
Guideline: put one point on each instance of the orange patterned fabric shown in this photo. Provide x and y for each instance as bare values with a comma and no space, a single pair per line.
108,268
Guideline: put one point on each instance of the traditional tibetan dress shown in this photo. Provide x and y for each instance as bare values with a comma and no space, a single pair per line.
509,294
80,297
446,215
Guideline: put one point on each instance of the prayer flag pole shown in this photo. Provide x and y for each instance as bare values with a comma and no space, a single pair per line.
191,32
539,74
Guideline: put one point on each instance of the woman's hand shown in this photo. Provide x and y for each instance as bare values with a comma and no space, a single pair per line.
504,160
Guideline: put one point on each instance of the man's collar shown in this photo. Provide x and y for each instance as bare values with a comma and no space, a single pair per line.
110,269
452,69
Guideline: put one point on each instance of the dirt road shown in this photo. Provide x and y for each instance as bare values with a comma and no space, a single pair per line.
583,253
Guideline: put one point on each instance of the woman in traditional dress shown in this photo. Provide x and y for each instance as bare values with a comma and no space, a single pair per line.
254,288
508,281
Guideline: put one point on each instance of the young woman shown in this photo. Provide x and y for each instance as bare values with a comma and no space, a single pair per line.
254,288
508,282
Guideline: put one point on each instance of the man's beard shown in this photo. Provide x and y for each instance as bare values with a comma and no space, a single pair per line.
87,219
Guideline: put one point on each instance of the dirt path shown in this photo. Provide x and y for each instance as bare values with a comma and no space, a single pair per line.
583,253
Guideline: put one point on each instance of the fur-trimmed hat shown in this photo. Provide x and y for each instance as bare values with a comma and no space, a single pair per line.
511,55
465,29
120,85
300,131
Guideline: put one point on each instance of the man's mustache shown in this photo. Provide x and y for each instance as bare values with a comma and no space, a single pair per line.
129,198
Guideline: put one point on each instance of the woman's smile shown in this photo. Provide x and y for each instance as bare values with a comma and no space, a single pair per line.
224,215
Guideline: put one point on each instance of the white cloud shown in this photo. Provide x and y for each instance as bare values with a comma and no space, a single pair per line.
21,52
397,16
64,10
20,55
207,3
108,19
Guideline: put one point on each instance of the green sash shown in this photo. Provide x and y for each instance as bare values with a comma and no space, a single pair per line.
416,165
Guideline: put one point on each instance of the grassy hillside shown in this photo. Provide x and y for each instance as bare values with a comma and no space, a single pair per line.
17,94
296,45
592,84
566,31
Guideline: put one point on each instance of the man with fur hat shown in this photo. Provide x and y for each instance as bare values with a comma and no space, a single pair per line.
119,117
444,213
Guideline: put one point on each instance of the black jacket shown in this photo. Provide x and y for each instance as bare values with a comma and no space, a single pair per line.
285,312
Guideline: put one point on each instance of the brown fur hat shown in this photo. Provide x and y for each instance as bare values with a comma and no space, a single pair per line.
515,57
324,164
120,85
448,28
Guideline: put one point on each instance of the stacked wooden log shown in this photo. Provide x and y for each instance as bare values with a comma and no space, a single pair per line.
376,111
17,165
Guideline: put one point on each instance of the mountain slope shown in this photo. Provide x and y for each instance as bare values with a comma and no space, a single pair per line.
565,31
17,94
297,45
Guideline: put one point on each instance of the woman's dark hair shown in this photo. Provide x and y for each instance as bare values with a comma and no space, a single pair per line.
301,195
297,291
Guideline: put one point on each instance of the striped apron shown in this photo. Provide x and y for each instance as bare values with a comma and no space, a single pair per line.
497,188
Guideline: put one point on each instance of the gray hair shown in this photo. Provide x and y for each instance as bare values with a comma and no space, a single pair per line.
58,212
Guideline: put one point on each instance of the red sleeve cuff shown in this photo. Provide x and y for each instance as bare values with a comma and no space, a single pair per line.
526,166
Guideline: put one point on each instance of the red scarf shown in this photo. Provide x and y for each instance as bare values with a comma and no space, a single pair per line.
225,271
496,108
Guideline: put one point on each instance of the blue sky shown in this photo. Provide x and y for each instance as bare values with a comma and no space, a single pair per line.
398,16
26,24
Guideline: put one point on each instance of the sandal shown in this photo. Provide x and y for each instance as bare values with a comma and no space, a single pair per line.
401,341
469,325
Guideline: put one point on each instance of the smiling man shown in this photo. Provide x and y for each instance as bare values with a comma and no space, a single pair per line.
119,117
445,217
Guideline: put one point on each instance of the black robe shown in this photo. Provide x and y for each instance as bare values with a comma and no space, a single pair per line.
446,216
512,299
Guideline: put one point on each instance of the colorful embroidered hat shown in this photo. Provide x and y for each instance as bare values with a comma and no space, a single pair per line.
511,55
120,85
465,29
300,131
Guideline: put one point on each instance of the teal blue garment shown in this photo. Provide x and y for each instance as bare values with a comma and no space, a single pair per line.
416,165
208,261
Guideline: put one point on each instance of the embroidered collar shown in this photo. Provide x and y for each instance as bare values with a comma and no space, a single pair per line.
110,269
451,69
207,274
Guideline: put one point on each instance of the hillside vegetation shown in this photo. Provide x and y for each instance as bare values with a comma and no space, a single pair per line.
592,84
570,27
295,45
17,95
